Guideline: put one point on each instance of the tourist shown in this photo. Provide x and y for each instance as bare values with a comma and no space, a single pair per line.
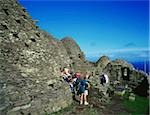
104,79
83,90
65,73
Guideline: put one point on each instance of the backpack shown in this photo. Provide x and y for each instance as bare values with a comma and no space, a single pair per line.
82,86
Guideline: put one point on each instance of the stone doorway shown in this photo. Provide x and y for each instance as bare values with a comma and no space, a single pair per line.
125,73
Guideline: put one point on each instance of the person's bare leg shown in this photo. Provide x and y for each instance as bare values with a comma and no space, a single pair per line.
81,99
85,98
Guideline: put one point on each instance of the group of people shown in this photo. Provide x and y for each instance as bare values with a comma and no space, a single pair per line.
78,83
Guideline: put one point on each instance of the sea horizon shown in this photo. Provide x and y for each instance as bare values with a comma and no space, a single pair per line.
141,65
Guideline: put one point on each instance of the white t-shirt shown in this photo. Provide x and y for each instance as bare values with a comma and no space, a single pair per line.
106,78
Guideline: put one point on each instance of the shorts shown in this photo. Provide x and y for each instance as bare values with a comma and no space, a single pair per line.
86,92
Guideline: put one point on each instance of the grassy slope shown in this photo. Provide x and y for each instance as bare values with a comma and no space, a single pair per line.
139,106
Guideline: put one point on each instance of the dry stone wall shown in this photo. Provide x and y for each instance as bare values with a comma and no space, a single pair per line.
30,61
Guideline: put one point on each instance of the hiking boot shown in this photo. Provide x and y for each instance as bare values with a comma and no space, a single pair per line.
86,103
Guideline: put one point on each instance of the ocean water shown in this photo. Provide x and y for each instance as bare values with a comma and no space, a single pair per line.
142,65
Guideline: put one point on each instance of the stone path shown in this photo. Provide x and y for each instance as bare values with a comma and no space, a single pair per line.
113,107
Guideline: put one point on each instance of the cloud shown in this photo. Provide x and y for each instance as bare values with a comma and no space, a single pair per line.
126,53
131,44
108,51
130,50
92,44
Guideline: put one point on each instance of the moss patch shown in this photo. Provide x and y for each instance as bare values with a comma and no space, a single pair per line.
139,106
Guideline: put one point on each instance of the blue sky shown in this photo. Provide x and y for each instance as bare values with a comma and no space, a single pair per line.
118,29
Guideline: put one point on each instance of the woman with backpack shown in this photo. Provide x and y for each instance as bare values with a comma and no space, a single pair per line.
83,89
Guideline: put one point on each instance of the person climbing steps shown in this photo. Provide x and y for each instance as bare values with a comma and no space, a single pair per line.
83,90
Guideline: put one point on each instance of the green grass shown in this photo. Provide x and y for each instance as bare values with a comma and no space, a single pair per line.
139,106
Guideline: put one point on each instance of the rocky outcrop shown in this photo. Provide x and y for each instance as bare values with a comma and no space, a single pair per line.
30,60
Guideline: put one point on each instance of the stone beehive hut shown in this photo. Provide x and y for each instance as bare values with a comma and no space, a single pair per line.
114,69
101,64
30,60
77,56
